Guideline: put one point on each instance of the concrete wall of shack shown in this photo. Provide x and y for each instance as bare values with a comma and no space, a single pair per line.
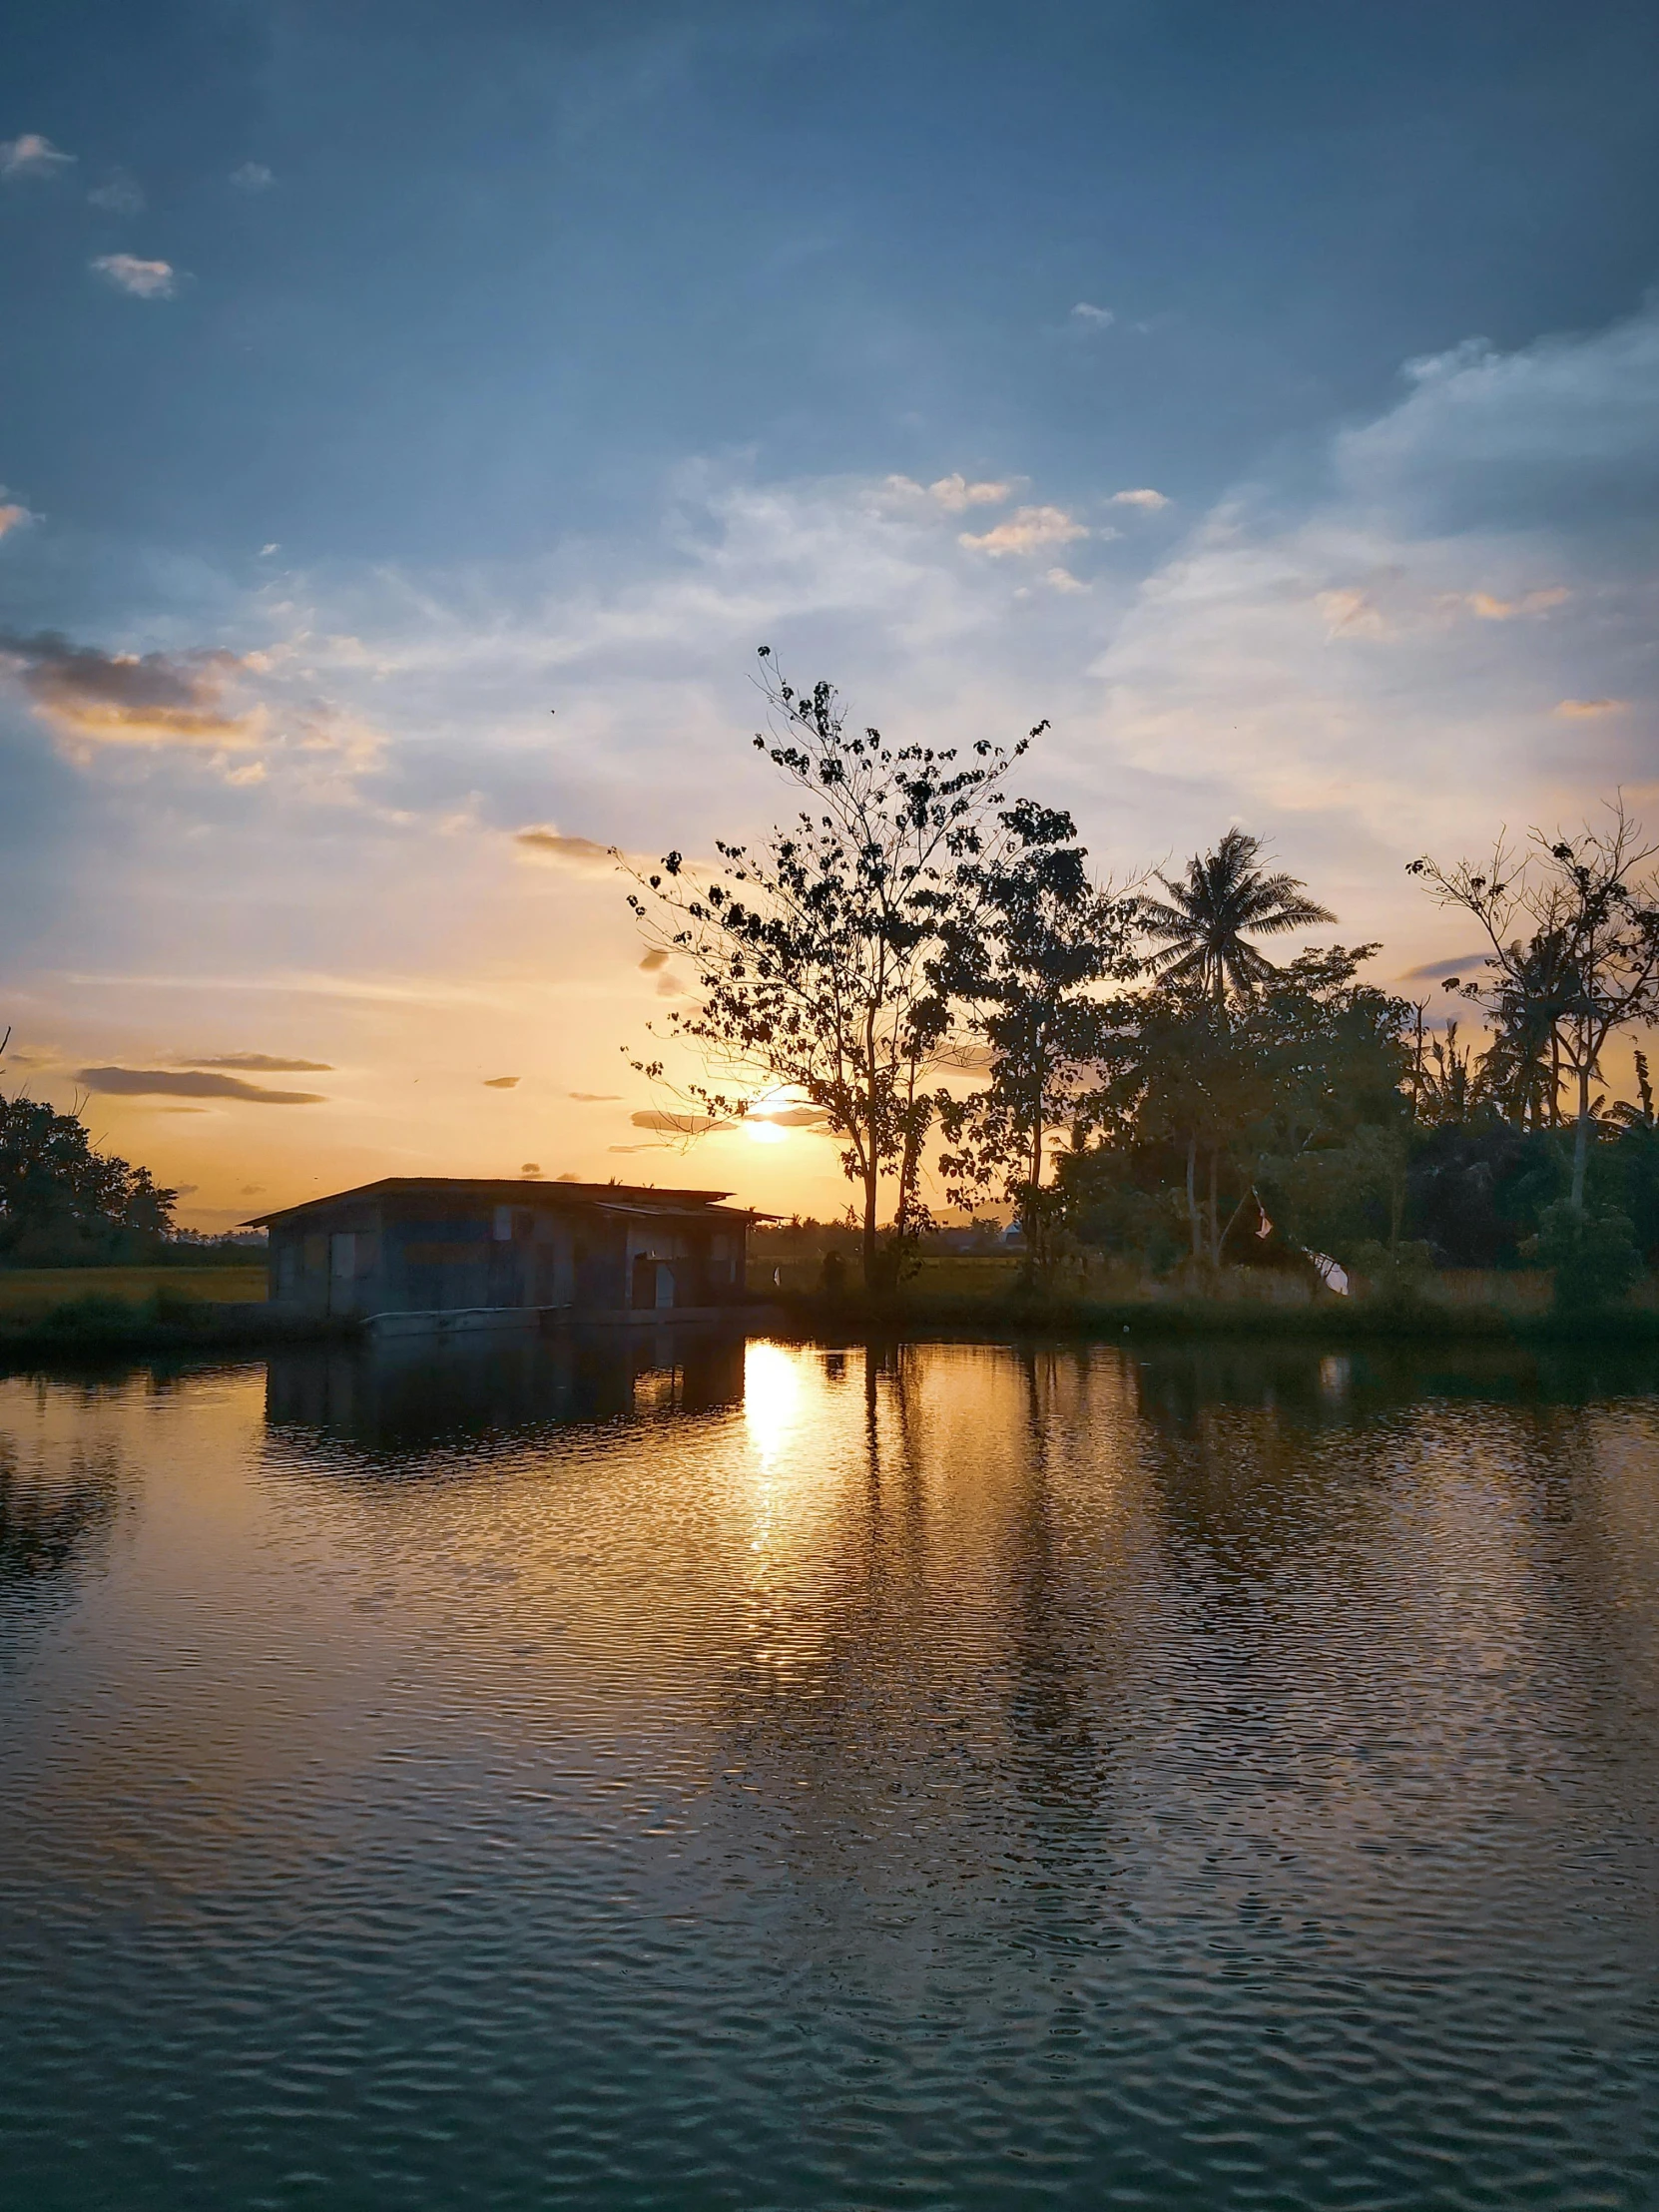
445,1251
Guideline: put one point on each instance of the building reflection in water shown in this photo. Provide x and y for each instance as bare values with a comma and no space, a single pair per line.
856,1721
411,1393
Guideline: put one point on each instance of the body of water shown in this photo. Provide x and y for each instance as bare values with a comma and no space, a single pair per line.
680,1775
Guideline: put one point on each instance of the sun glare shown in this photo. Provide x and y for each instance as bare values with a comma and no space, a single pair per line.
770,1394
764,1132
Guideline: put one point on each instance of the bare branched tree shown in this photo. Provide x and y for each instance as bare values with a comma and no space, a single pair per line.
1574,926
818,954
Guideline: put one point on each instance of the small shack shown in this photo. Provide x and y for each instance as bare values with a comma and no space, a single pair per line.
415,1252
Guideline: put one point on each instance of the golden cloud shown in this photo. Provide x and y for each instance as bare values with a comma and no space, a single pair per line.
677,1125
1028,530
139,279
1586,710
259,1063
1506,610
167,1083
128,697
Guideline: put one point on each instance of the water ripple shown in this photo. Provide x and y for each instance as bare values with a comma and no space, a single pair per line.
953,1777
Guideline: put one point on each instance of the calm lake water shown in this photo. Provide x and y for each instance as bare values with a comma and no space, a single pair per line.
774,1775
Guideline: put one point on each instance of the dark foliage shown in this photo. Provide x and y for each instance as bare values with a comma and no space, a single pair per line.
65,1204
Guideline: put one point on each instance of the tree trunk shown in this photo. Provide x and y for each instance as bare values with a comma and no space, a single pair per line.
1215,1230
1192,1198
870,1256
1581,1139
873,1157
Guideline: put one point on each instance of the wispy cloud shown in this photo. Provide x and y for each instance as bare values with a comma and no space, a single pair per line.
1489,609
678,1125
952,494
1091,318
596,1098
166,1083
119,194
128,697
501,1083
256,1063
1028,530
139,279
1438,972
1590,710
546,844
1148,500
252,176
13,516
31,156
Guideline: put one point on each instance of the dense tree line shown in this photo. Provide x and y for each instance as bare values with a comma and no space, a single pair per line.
65,1203
925,958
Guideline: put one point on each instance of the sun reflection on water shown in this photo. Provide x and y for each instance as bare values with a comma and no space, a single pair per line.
770,1399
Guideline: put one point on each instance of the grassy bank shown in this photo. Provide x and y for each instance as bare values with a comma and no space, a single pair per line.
77,1312
28,1294
1326,1319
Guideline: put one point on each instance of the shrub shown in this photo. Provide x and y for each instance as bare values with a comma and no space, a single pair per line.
1594,1256
94,1316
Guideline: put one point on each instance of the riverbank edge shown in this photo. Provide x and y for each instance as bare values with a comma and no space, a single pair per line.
1330,1321
254,1329
249,1329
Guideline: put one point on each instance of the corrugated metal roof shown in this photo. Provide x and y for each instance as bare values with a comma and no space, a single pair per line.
516,1191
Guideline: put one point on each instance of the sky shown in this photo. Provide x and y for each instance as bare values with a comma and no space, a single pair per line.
413,416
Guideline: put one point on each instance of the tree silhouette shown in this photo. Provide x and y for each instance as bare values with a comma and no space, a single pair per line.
1225,899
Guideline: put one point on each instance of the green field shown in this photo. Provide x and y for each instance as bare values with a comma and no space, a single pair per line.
28,1292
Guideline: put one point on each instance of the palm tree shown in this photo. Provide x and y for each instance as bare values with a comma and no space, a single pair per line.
1226,899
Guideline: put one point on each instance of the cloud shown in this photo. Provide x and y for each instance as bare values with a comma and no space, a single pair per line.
31,156
257,1063
1350,613
530,1167
1092,318
955,494
1150,501
128,697
1506,610
121,194
792,1117
653,961
1062,580
500,1082
166,1083
677,1125
1318,660
1436,972
141,279
13,517
628,1148
1550,436
595,1098
252,176
1028,530
544,843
